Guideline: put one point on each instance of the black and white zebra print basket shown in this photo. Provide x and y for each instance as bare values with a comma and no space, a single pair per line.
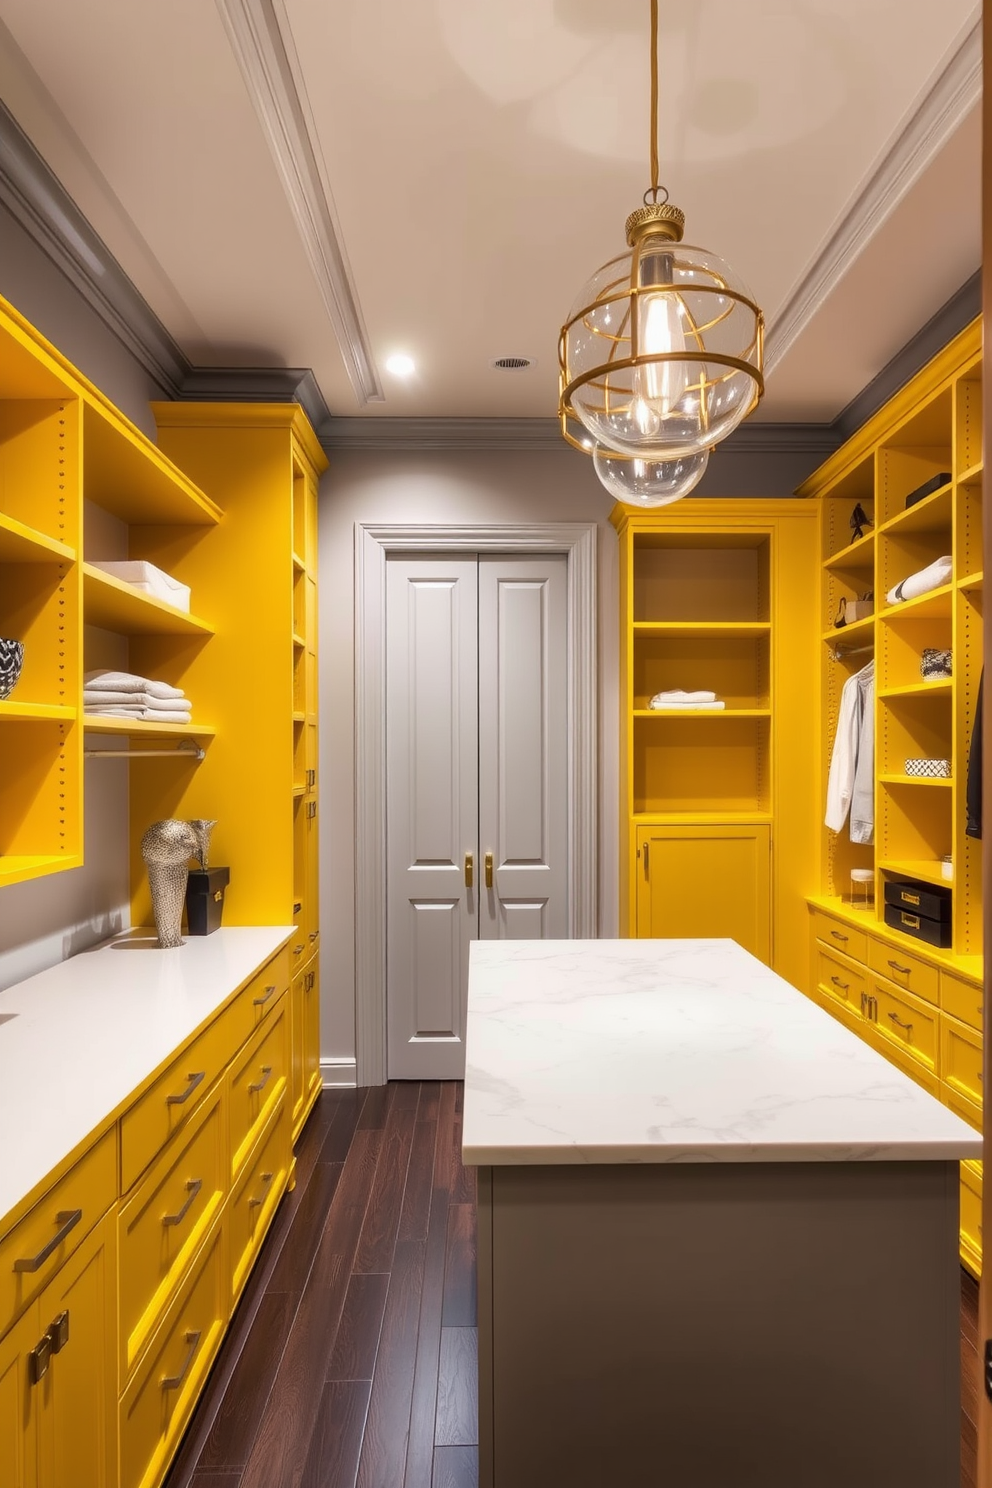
11,661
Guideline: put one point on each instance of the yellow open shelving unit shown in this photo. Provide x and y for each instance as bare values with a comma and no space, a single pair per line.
931,428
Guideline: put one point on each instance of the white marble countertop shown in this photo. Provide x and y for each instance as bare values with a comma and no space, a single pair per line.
675,1051
78,1039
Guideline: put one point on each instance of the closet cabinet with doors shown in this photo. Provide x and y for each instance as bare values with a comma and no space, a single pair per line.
717,811
476,783
918,1003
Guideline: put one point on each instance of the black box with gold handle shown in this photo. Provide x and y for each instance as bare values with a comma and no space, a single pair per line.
919,909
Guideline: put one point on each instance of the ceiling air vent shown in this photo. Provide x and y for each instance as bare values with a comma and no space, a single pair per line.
512,364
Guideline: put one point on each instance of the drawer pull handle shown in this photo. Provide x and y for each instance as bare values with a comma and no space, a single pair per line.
194,1080
254,1203
269,993
899,1023
298,950
58,1332
66,1219
902,970
845,986
913,899
38,1360
173,1381
261,1084
314,934
837,935
192,1189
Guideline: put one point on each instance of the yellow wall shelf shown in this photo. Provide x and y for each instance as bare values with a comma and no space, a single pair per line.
115,605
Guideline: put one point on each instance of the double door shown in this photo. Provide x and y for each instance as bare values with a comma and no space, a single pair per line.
476,784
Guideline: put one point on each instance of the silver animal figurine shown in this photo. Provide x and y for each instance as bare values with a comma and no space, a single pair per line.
166,848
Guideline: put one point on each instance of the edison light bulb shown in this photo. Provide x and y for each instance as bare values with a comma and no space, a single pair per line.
658,388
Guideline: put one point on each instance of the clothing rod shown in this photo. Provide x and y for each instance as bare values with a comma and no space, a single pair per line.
839,652
188,753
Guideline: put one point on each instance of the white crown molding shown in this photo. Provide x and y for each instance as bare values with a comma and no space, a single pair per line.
955,92
373,544
262,43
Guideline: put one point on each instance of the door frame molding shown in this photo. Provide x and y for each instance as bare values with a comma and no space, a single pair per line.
374,542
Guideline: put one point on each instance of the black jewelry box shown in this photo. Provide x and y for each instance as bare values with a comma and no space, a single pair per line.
928,487
205,899
919,898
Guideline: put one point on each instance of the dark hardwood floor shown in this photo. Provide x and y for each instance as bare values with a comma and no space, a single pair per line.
351,1361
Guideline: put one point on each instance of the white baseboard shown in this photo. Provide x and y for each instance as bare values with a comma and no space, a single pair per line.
338,1074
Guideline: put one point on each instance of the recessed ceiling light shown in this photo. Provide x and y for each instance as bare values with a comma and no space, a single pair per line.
400,364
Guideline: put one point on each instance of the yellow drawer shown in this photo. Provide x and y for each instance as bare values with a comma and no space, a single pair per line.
906,971
175,1095
50,1232
840,936
165,1220
971,1217
256,1196
961,1059
905,1022
257,1080
918,1072
840,980
961,999
158,1402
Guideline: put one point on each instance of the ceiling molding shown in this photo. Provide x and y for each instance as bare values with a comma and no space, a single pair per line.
952,317
38,201
262,42
538,434
257,385
955,92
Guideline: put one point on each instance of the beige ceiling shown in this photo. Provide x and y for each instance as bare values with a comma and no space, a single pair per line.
474,161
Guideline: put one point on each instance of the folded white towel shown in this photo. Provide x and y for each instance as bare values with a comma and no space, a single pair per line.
148,715
684,707
139,700
127,682
679,695
937,573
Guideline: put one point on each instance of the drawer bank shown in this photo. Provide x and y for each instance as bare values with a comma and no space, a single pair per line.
148,1115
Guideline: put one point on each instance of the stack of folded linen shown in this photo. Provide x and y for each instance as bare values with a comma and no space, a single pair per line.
123,695
676,698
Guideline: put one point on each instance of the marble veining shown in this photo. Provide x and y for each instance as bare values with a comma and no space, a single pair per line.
675,1051
78,1039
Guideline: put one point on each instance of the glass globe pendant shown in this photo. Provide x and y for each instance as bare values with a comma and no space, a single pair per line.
661,355
649,483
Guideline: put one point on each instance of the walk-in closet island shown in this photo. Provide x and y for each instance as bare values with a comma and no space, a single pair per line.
703,1206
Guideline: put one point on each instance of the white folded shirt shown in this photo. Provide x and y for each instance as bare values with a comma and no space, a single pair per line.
937,573
128,682
139,700
677,707
679,695
147,715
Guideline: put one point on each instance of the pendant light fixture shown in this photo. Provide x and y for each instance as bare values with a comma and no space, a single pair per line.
661,356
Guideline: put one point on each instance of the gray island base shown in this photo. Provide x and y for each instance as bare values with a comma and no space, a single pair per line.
749,1279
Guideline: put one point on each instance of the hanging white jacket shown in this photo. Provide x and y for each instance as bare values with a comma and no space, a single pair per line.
847,740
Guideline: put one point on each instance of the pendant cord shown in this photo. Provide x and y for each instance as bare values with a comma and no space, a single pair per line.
654,99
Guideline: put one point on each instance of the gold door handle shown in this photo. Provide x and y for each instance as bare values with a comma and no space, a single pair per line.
646,860
469,867
489,870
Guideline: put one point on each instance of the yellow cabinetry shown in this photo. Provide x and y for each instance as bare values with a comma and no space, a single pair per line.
715,600
924,1003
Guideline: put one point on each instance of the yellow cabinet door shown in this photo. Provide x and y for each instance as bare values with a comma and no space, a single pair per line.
76,1401
311,1035
18,1398
706,880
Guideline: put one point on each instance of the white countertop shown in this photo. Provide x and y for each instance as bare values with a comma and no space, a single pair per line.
675,1051
87,1033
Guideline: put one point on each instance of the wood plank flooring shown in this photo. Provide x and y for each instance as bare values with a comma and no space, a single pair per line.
352,1359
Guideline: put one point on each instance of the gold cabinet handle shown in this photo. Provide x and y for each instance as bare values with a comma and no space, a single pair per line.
489,870
646,849
864,999
902,970
194,1080
172,1382
58,1332
837,935
844,986
258,1085
38,1360
873,1008
899,1023
269,994
192,1189
313,936
254,1203
469,867
66,1219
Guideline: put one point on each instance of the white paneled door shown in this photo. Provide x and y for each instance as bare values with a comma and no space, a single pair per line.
476,784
